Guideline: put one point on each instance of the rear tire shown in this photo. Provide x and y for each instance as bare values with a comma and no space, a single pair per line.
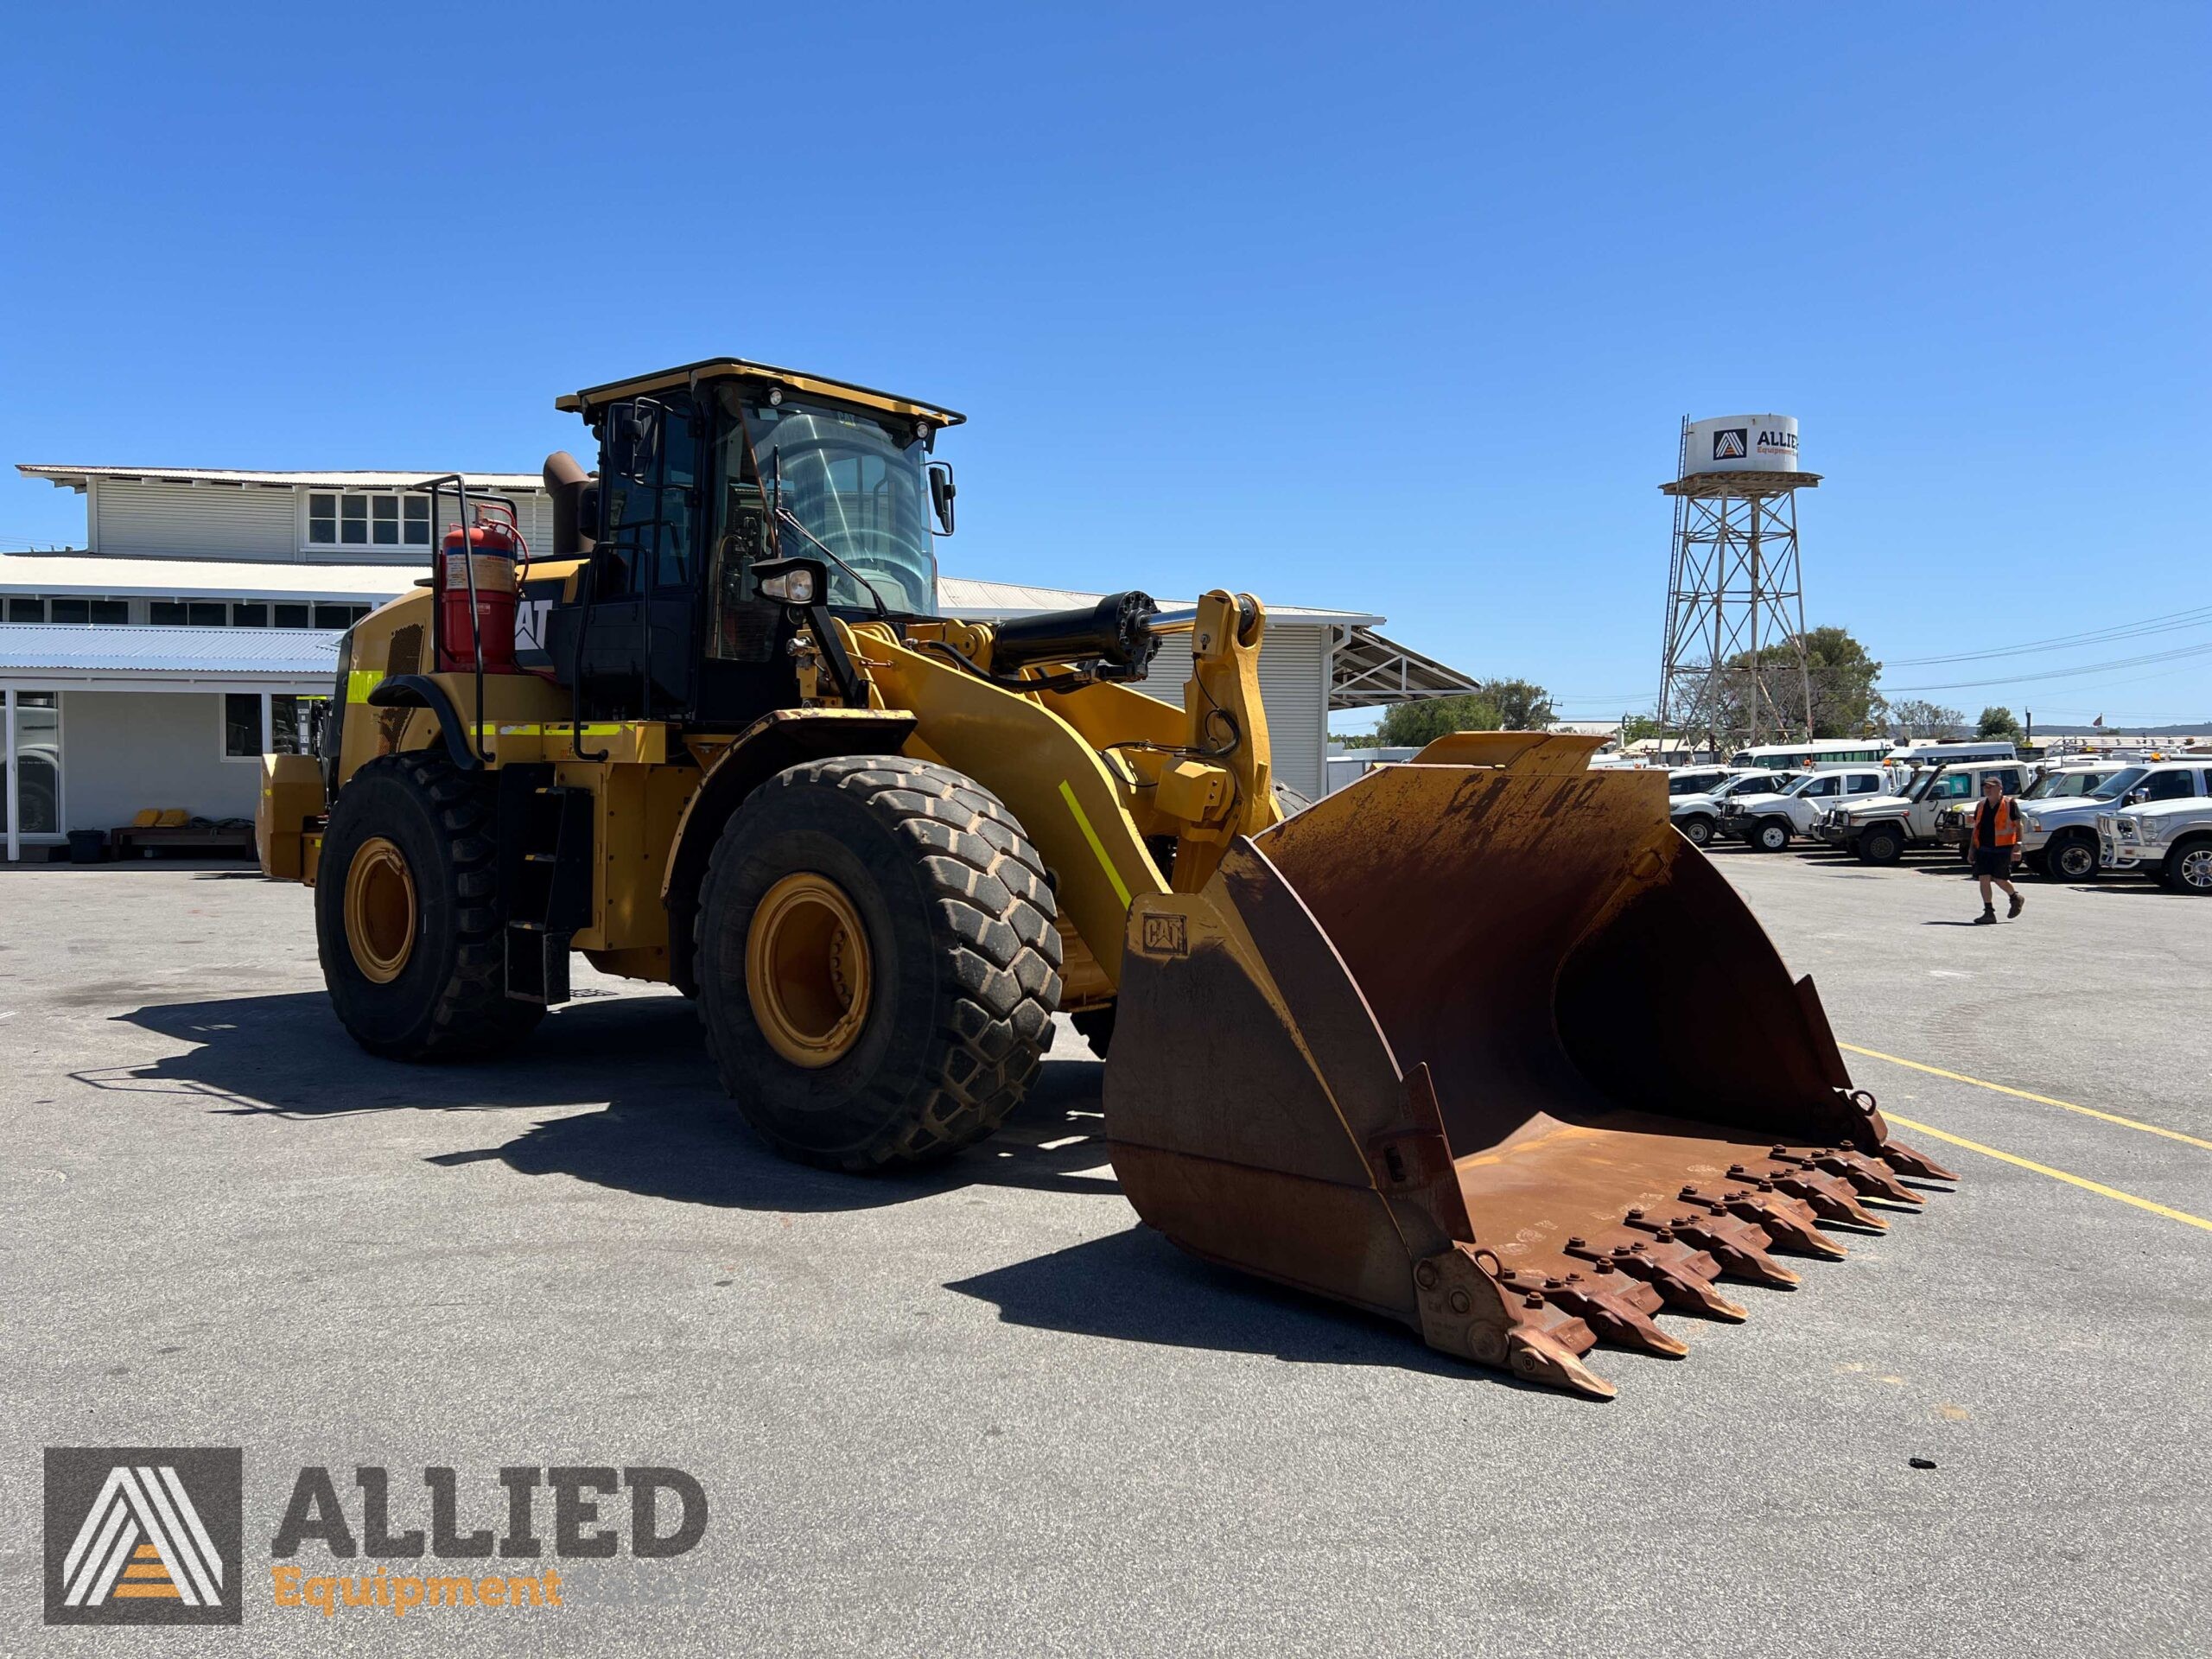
413,836
2071,857
1881,845
963,960
2188,867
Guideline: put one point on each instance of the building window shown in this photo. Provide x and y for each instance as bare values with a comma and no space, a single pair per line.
68,610
292,722
365,520
241,725
339,616
250,616
26,610
111,612
294,616
36,806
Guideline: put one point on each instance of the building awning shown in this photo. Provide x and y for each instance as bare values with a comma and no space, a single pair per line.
179,658
1370,672
76,477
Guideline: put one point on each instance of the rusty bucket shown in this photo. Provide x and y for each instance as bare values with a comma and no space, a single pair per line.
1491,1049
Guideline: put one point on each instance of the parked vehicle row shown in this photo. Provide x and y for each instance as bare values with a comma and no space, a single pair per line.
2079,817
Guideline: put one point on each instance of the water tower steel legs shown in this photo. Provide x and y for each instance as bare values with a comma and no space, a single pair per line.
1733,670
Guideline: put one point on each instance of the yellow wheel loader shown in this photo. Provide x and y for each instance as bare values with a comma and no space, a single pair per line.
1479,1043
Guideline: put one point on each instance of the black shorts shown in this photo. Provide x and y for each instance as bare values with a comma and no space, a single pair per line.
1992,861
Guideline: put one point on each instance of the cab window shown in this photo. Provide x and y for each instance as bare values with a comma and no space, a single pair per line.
2178,784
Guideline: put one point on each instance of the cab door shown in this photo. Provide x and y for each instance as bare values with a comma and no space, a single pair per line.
633,639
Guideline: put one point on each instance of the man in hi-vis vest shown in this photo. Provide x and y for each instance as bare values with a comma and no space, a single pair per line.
1992,844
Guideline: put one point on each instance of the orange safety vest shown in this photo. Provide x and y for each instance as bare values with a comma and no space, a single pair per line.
2007,830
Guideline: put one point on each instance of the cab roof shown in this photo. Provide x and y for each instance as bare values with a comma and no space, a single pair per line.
737,368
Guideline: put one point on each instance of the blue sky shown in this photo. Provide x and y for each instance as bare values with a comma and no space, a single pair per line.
1389,308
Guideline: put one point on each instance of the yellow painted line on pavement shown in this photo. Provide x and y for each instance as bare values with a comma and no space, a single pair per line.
2098,1187
2022,1094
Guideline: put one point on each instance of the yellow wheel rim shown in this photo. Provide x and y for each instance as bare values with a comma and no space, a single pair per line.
380,910
807,971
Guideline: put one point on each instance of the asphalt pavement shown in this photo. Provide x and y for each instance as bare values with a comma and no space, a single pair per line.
984,1411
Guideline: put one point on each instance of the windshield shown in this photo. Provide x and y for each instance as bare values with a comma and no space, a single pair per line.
2074,786
855,481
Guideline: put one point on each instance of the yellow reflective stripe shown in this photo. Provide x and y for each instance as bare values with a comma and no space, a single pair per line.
360,682
1098,847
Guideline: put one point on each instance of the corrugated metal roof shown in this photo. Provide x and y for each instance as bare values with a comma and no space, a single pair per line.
97,573
34,646
959,596
76,476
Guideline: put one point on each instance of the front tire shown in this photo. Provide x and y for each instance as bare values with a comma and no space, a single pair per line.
1697,831
407,915
2071,858
877,963
1772,835
2188,867
1882,845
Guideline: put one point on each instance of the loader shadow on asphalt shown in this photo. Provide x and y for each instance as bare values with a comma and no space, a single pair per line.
664,1129
1134,1285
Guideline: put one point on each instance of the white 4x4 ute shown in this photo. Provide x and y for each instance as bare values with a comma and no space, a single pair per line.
1881,828
1768,822
1698,816
2058,815
2171,840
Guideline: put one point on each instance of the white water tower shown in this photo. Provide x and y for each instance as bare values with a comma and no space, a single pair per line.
1732,671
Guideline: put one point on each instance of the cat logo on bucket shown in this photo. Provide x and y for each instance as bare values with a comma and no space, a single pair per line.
143,1535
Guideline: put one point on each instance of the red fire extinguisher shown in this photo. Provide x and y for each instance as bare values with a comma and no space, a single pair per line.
493,543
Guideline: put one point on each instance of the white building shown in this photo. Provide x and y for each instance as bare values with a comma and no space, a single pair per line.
200,624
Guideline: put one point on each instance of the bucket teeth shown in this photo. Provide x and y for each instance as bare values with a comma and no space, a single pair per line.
1829,1196
1536,1356
1903,1160
1738,1246
1869,1176
1615,1306
1787,1221
1683,1277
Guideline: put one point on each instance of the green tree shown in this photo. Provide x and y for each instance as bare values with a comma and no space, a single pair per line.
1637,727
1409,725
1840,673
1522,705
1915,718
1997,722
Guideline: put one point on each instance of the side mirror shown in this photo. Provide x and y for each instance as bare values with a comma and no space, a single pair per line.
631,441
2137,796
941,490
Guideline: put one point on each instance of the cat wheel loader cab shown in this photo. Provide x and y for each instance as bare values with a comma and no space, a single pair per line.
1480,1042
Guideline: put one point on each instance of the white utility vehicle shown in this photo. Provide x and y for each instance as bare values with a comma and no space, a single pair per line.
2059,811
1698,816
2170,839
1880,829
1768,822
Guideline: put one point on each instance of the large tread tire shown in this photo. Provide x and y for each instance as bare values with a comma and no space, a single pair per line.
965,960
450,1002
